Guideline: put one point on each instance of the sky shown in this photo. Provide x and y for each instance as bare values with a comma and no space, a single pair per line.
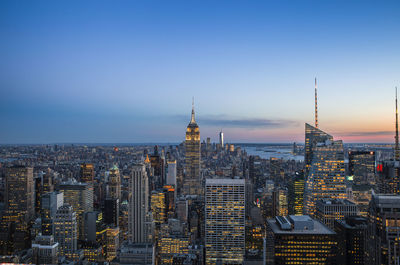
126,71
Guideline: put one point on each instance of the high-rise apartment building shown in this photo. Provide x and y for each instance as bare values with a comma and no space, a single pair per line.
192,183
138,204
326,174
298,239
225,221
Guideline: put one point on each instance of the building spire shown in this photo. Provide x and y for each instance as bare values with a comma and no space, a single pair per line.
396,147
192,120
316,105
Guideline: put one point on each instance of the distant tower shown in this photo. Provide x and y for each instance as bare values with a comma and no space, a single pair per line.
114,185
396,149
192,158
316,105
221,139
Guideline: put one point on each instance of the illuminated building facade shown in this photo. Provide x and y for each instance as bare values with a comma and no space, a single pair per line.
169,246
138,204
19,209
388,177
80,197
352,233
296,194
298,239
326,178
19,194
158,206
65,231
313,136
225,221
50,203
114,184
87,173
362,167
192,183
281,201
384,217
112,243
330,210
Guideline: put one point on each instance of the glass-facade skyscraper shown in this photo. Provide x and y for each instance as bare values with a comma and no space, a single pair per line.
326,170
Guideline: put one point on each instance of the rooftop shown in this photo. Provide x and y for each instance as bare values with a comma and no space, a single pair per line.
318,228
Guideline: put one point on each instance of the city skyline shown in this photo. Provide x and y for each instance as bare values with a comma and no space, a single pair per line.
96,72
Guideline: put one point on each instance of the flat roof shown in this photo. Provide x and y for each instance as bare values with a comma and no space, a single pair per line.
319,228
225,181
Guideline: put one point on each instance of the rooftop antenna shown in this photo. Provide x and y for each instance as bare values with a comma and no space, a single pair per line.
396,148
316,105
192,120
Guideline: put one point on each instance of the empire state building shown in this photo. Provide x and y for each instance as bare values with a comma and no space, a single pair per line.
192,158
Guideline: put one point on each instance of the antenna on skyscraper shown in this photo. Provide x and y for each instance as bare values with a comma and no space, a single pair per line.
316,105
396,148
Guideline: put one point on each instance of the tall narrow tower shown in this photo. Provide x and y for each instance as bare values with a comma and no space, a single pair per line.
192,157
396,148
221,139
316,105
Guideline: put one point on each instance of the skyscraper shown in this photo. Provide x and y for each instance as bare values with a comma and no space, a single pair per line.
298,239
19,193
326,174
221,139
384,216
330,210
65,231
362,167
138,204
313,136
50,203
80,197
19,209
225,221
352,244
114,184
192,158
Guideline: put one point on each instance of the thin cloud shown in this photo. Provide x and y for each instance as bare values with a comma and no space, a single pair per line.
366,134
222,121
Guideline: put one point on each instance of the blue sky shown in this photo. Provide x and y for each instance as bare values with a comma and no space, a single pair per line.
126,71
